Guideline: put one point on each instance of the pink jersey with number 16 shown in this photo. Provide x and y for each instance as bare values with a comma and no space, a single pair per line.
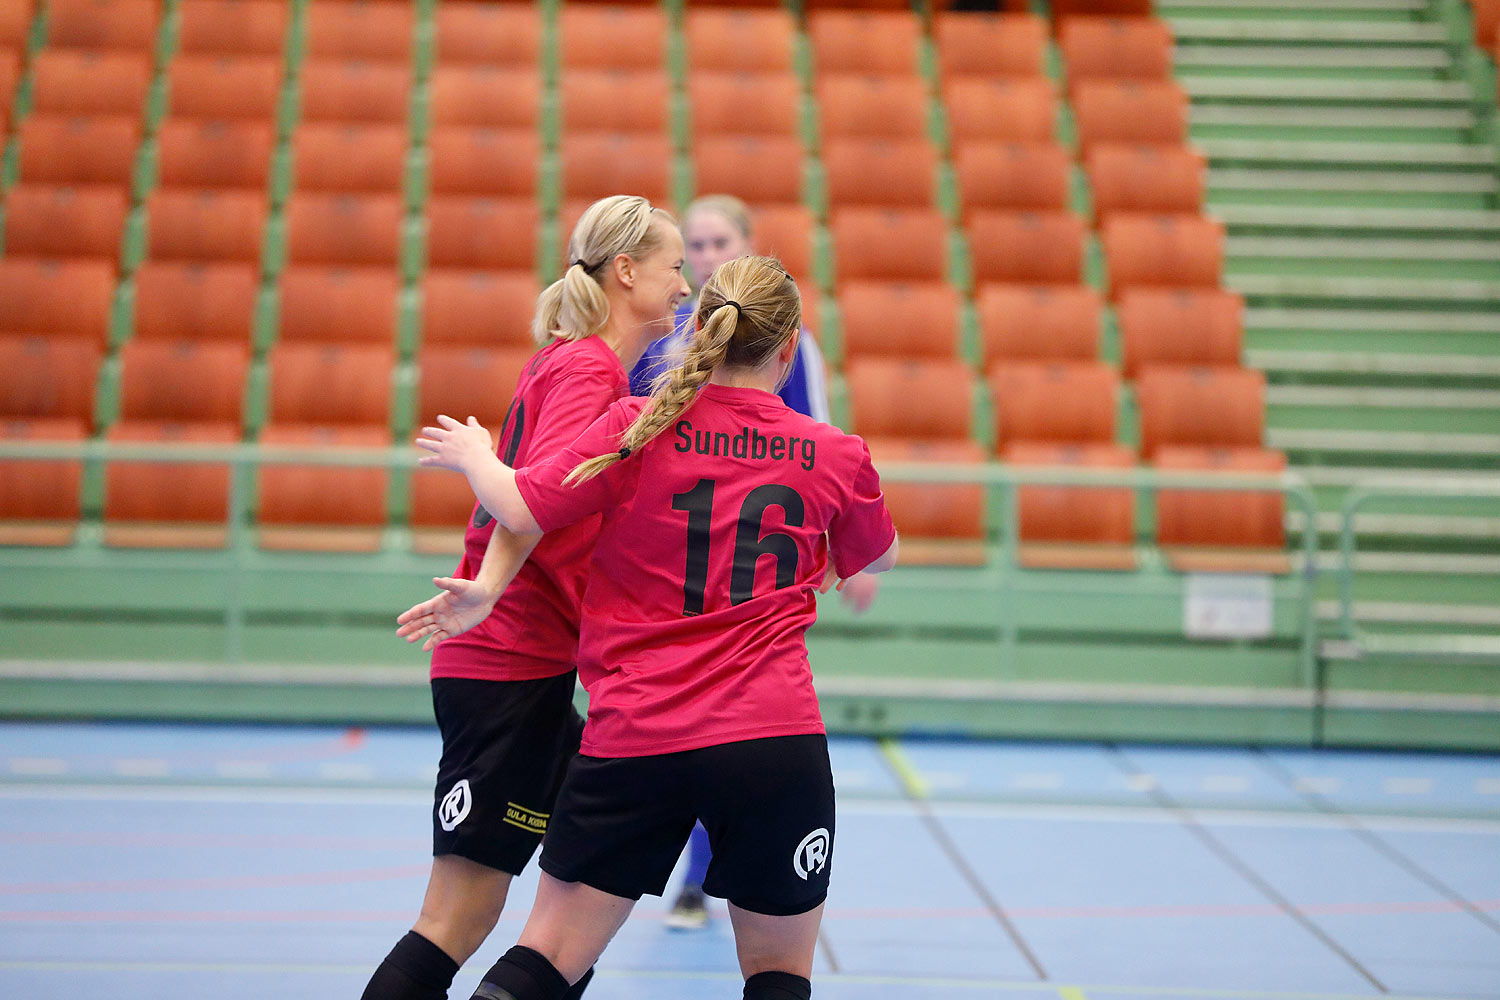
703,579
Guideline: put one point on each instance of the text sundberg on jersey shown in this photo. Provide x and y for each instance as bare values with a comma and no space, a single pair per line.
748,443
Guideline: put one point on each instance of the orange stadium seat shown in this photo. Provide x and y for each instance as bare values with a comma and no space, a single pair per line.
1191,521
372,29
206,225
990,45
15,23
39,501
464,380
176,301
1180,326
441,501
1062,9
1026,247
1176,251
1486,23
78,150
889,245
339,91
344,229
1150,113
102,24
90,83
1166,179
785,232
1001,110
598,165
335,157
910,398
940,522
1035,175
218,87
168,504
64,222
49,377
897,173
495,34
323,305
757,169
345,384
1039,323
1116,48
893,319
766,104
315,507
486,97
1058,402
746,41
57,298
232,27
184,381
848,41
1214,407
482,232
493,162
615,100
478,308
872,106
622,37
215,153
1074,527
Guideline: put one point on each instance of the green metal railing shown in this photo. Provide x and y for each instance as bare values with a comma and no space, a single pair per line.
1004,482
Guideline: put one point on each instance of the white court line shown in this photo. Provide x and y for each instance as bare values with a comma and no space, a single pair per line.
1225,783
256,770
1050,812
1407,786
142,767
343,771
1318,786
1487,786
674,975
50,766
1044,781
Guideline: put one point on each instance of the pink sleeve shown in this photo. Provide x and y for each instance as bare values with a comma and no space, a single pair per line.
576,401
555,504
862,531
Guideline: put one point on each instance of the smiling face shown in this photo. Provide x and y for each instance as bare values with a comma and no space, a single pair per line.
712,239
656,285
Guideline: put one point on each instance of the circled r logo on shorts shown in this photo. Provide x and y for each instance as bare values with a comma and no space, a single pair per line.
812,853
454,808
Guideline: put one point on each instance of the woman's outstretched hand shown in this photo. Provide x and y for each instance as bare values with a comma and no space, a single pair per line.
455,446
461,605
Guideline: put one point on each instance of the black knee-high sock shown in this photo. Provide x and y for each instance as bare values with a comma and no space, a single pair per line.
522,974
416,969
576,990
777,986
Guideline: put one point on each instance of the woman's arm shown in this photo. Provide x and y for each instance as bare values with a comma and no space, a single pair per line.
467,448
465,603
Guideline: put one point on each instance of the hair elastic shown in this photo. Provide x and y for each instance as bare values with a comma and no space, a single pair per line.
738,312
624,452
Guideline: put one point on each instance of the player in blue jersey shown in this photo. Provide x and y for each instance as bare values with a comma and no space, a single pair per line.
716,229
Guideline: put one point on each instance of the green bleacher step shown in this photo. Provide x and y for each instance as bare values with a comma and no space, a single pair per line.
1365,9
1362,181
1310,60
1277,116
1364,289
1345,248
1364,221
1427,529
1237,89
1371,364
1453,648
1400,410
1366,320
1437,450
1255,31
1404,155
1415,613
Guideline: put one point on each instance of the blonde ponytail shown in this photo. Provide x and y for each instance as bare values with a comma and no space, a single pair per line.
575,306
748,311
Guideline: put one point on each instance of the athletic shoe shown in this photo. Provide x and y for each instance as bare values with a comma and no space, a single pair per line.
690,912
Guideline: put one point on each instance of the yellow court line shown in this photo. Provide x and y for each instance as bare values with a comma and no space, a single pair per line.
911,777
1071,993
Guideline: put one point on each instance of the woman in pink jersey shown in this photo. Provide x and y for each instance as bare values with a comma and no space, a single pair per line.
724,511
502,690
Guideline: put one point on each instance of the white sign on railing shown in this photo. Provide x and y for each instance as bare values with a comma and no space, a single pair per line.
1226,606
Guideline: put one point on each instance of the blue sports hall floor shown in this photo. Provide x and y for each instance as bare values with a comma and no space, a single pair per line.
164,861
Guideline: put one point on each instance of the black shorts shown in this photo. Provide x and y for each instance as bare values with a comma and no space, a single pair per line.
506,747
767,805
